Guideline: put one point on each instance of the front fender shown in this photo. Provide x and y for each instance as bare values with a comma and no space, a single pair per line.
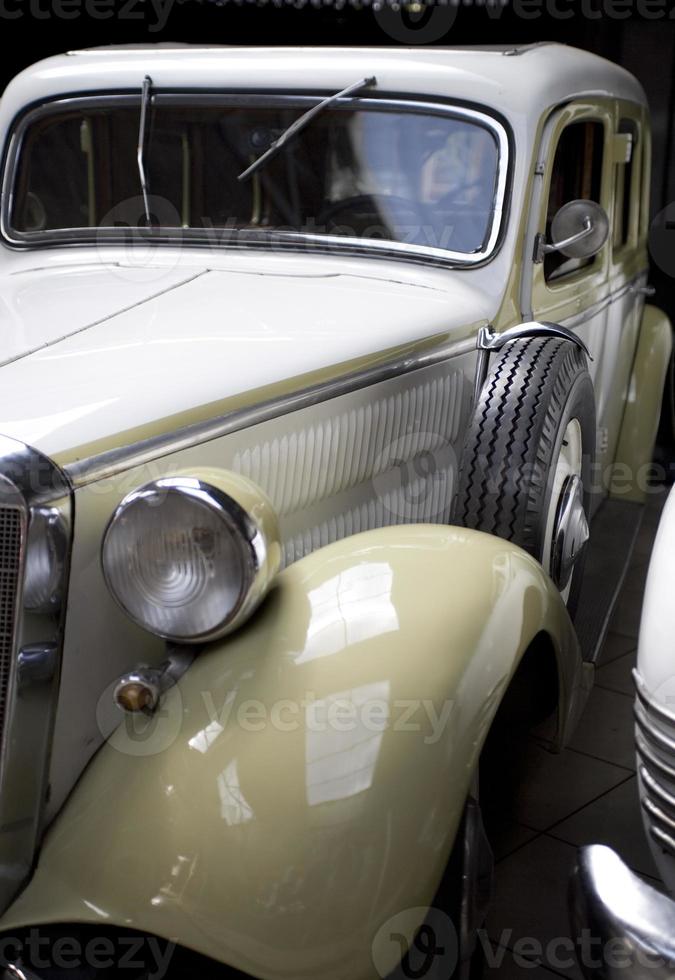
305,779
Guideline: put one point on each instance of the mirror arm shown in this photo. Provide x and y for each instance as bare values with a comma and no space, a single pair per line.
541,248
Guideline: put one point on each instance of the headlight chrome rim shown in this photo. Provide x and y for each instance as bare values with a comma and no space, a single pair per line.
258,563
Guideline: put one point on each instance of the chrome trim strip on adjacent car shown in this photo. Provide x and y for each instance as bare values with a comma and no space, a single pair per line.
651,760
665,798
652,707
653,735
664,840
654,738
113,461
100,236
30,480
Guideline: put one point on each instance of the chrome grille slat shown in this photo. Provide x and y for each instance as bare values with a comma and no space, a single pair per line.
30,658
666,801
11,549
655,744
651,760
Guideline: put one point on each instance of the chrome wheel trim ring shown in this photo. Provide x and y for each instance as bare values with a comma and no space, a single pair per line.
566,530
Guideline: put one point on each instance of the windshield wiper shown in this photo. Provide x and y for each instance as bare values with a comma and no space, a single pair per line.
301,123
140,153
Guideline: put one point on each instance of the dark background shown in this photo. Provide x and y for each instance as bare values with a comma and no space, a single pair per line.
638,34
643,42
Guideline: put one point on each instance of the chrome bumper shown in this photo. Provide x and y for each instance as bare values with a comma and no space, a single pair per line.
628,926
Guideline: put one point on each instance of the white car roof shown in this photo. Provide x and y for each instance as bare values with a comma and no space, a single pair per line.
516,82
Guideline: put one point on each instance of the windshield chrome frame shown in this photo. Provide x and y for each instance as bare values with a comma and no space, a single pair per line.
295,241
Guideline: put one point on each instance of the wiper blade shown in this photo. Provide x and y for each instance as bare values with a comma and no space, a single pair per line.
140,153
301,123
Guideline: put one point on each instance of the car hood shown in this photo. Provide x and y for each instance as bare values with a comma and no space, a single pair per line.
96,356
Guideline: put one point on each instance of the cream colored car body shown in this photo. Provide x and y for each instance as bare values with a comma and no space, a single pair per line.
655,681
323,378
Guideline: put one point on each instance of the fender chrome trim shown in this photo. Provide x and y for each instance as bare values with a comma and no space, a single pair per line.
489,341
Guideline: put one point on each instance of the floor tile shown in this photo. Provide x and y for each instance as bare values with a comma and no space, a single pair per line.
606,728
615,820
508,836
530,902
540,788
626,616
618,675
615,646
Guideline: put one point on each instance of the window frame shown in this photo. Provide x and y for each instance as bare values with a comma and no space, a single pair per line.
275,240
570,294
625,252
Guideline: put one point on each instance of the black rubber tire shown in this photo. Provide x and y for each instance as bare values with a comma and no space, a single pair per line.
535,387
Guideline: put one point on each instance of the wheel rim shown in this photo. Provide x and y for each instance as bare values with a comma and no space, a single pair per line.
566,532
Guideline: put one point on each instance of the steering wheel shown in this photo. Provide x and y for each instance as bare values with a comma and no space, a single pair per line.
395,210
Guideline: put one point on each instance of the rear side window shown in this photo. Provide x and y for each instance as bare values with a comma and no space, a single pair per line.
625,203
576,175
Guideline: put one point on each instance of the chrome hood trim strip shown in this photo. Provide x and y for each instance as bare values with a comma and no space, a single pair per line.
114,461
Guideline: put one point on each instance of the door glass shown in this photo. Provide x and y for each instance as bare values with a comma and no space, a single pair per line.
576,175
623,203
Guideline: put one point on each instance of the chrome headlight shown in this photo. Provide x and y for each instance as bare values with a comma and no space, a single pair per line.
46,552
188,559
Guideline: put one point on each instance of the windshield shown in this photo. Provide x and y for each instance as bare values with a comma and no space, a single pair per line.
387,174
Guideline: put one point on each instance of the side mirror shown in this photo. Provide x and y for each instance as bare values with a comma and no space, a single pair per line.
579,230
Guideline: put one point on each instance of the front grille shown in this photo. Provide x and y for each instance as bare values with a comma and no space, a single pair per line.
655,743
11,530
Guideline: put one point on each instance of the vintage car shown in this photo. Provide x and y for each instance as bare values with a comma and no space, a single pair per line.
609,900
317,367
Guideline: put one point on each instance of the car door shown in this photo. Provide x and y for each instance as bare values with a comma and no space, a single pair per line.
627,271
575,162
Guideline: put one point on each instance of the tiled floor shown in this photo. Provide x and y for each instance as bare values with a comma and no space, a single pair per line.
586,795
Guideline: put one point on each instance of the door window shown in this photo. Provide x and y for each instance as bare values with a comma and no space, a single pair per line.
626,202
576,174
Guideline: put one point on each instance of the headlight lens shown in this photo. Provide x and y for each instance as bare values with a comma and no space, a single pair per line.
45,560
185,560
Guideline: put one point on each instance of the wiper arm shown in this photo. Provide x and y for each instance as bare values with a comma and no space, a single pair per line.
301,123
140,153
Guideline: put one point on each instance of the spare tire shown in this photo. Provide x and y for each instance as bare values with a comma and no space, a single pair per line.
529,448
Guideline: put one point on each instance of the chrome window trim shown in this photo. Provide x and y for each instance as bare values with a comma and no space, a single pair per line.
291,240
111,462
31,479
